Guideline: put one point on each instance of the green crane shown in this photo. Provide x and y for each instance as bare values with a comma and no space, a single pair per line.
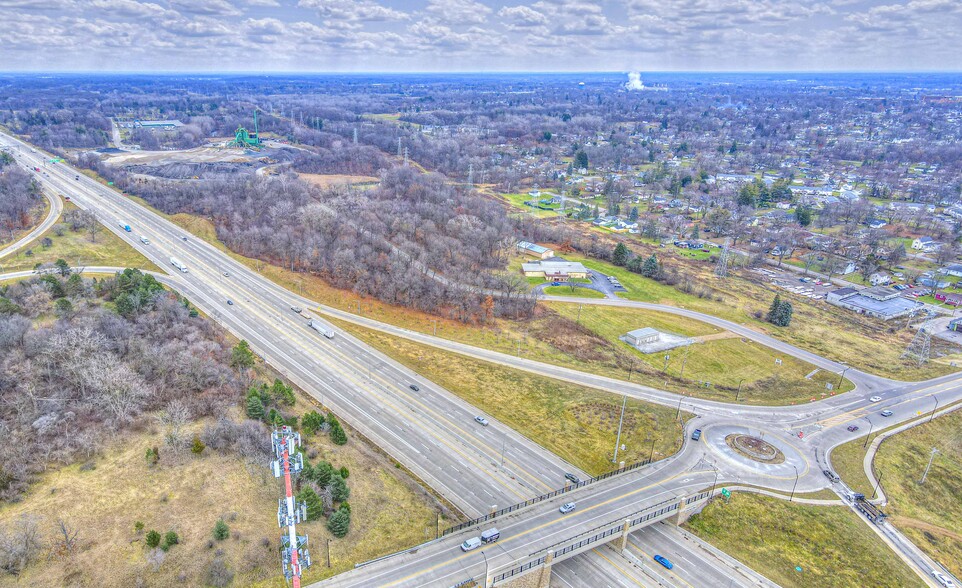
245,139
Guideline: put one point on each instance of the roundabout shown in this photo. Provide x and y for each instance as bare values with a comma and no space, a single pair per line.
758,451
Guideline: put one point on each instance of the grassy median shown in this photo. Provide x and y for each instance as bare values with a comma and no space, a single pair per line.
830,544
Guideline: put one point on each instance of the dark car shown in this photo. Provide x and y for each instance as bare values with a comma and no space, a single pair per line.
696,435
230,302
414,387
853,428
664,561
572,478
831,475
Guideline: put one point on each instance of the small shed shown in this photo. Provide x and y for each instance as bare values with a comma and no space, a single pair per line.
642,336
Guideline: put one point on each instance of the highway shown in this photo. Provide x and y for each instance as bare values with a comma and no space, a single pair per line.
433,433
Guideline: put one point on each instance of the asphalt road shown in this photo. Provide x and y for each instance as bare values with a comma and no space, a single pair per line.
433,433
56,207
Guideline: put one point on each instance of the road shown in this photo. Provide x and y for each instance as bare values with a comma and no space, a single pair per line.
433,433
56,208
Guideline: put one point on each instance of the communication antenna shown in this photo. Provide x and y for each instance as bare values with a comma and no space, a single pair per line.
920,347
294,553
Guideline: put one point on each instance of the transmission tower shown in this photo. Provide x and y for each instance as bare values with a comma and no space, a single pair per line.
470,176
920,346
399,147
721,268
355,135
294,553
405,157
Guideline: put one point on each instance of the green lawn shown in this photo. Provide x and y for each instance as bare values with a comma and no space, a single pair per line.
831,545
931,513
576,423
568,291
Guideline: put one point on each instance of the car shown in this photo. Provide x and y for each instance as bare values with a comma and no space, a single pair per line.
696,435
852,428
230,302
227,274
664,561
76,177
942,579
472,543
414,387
572,478
886,413
482,420
184,238
555,283
875,399
831,475
567,507
296,309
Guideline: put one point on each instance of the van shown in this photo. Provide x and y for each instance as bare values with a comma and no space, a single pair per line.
145,241
472,543
491,535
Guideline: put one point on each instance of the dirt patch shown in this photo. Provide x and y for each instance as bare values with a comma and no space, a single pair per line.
569,337
927,528
754,448
328,180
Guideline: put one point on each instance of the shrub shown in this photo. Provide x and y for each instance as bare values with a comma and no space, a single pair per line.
197,447
218,574
221,530
153,538
339,522
170,539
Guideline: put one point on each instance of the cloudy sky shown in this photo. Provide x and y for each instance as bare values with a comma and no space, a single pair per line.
473,35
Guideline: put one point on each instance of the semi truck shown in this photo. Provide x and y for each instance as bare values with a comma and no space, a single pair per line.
124,226
329,333
178,264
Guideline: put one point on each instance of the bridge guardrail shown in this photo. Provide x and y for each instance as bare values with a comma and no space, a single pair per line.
612,528
543,497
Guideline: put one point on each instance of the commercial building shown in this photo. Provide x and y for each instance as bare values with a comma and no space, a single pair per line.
879,302
534,250
641,336
555,271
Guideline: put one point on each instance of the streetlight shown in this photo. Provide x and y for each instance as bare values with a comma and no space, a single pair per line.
934,409
328,553
792,497
485,570
620,422
870,425
651,454
713,482
842,376
678,414
737,392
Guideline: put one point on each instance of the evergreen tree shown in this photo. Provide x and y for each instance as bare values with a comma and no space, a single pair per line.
315,506
242,356
803,215
312,421
340,522
773,309
784,315
581,160
620,255
338,436
322,474
197,447
633,215
221,530
651,268
255,408
170,539
152,539
338,487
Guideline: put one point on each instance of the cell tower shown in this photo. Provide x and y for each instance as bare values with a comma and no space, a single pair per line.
294,553
920,346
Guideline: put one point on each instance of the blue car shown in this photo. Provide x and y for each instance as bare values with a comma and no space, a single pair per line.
664,561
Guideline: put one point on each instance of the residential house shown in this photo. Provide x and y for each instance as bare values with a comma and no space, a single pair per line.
925,244
879,279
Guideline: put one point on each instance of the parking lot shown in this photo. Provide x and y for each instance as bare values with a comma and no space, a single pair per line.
808,287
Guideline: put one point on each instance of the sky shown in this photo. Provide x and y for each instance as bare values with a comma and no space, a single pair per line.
480,35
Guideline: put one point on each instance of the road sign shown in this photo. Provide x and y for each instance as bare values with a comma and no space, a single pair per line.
726,493
110,183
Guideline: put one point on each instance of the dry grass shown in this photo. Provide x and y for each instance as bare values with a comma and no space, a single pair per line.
831,545
578,424
328,180
78,250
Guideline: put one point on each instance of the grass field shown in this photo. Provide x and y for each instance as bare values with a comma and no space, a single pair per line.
578,424
78,250
833,548
931,513
328,180
568,291
188,494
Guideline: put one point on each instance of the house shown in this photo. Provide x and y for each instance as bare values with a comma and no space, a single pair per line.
953,270
641,336
924,244
556,271
931,283
534,250
879,279
850,267
875,223
950,299
879,302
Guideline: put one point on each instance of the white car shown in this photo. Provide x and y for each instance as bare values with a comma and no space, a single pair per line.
942,579
472,543
875,399
483,421
567,507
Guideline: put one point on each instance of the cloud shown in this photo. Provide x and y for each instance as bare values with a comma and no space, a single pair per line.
456,12
360,10
522,16
205,7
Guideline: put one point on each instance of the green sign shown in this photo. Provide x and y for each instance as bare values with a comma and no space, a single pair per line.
110,183
725,492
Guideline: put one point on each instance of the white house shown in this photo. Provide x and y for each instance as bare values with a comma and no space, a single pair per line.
879,279
849,268
925,244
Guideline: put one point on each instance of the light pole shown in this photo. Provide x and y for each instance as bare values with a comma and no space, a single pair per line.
870,425
792,497
678,414
651,454
737,392
934,409
926,472
485,570
329,553
842,376
631,366
713,482
503,439
620,422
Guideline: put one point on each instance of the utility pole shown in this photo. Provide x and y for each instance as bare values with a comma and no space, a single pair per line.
926,472
620,422
870,425
792,497
681,376
503,439
737,392
578,320
877,484
841,377
933,413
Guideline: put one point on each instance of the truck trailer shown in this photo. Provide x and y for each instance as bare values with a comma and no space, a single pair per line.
178,264
329,333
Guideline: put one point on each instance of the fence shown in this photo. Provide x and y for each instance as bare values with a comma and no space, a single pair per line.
543,497
613,528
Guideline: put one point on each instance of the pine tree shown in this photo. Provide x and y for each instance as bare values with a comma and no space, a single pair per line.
152,539
651,268
773,309
620,255
338,436
784,315
322,474
170,539
340,522
221,530
312,421
338,487
315,506
255,408
242,356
